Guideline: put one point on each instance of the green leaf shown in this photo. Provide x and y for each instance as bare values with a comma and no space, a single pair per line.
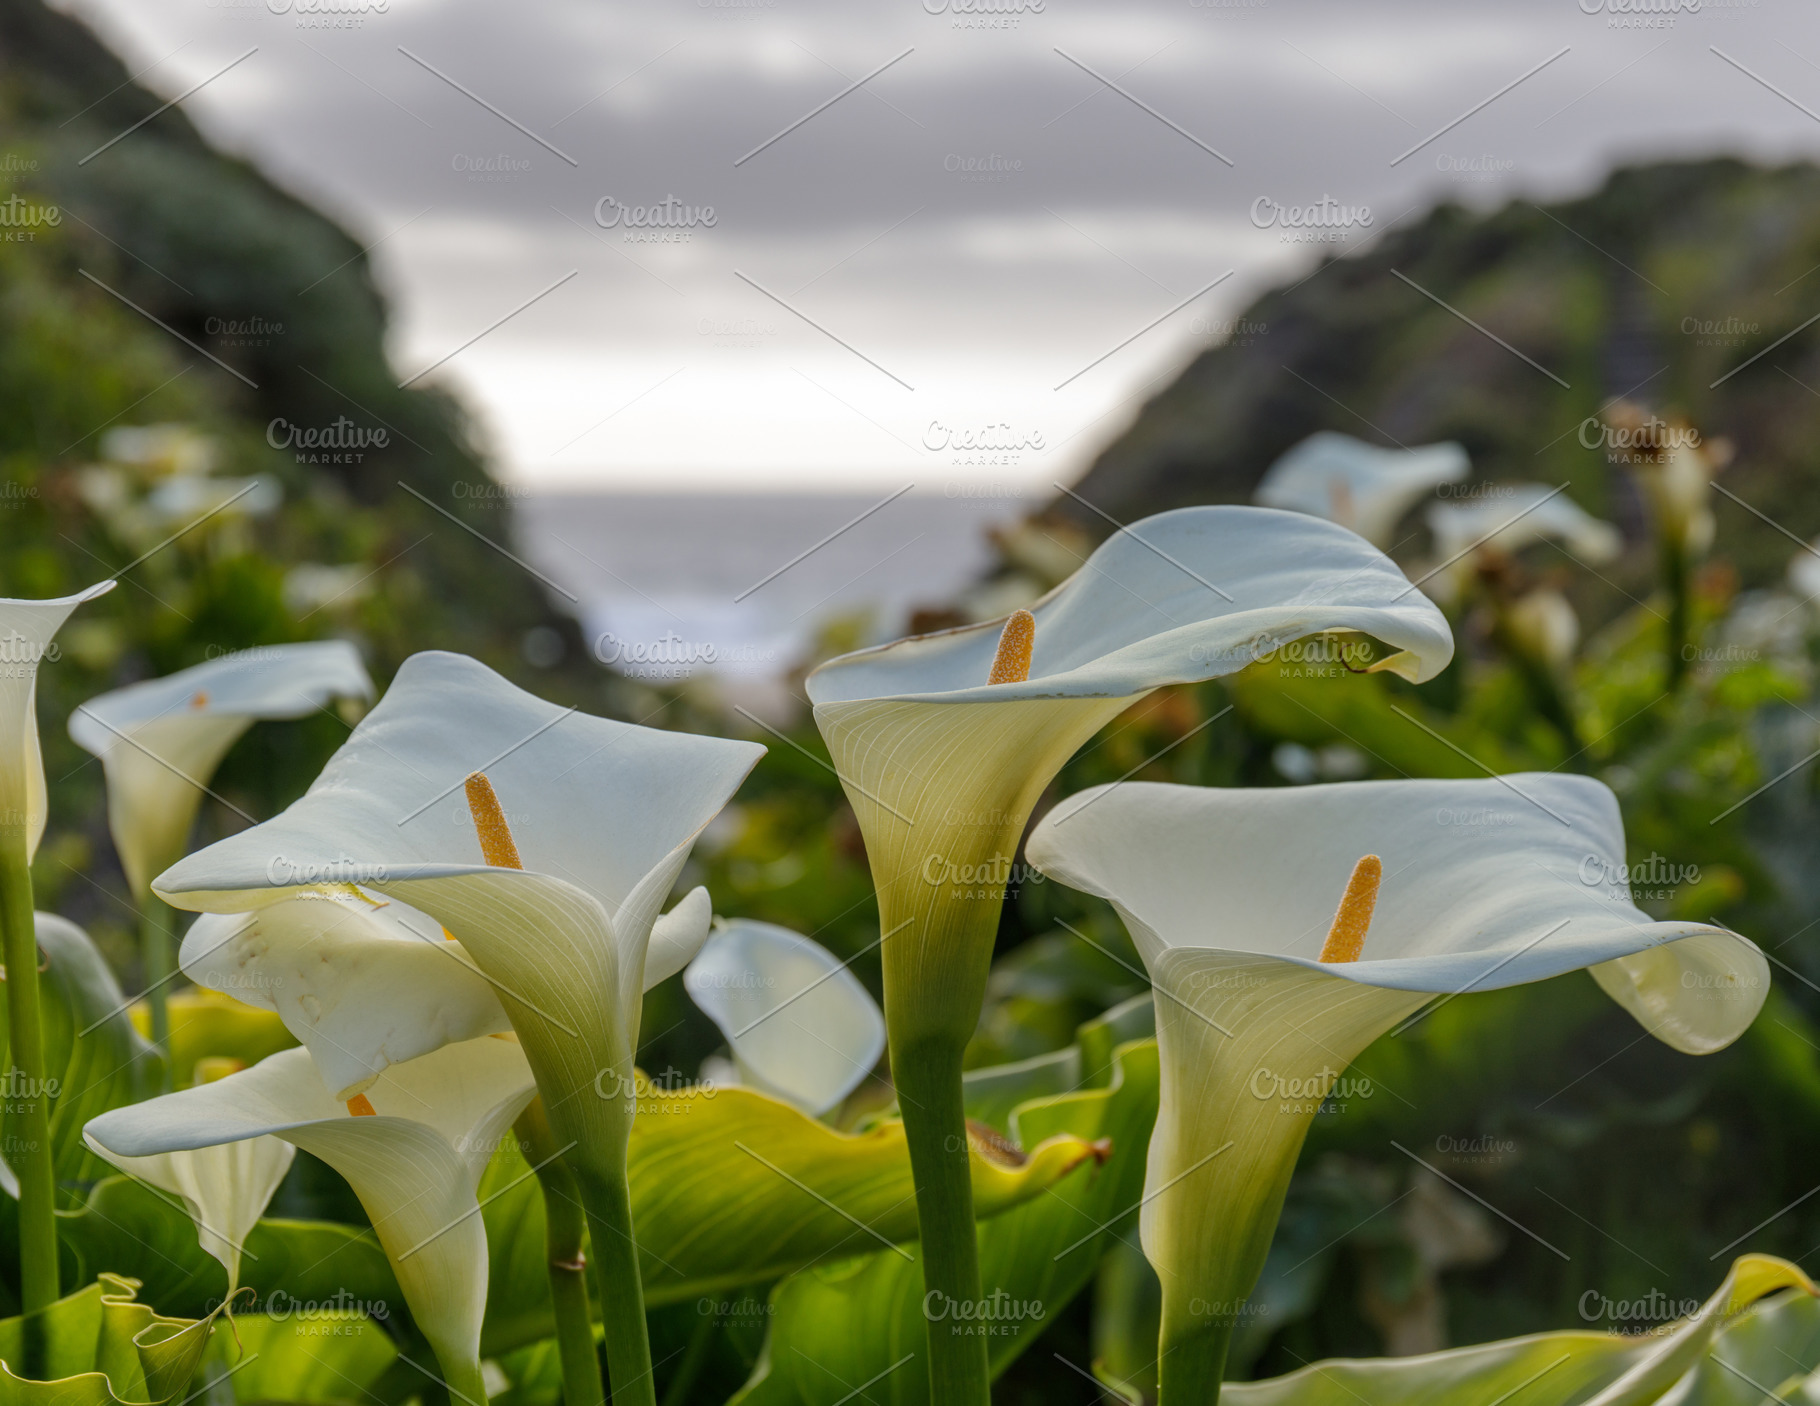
102,1347
109,1065
1588,1369
1315,711
209,1025
128,1229
307,1355
731,1187
838,1326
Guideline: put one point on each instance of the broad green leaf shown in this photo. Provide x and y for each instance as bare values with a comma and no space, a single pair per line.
518,1278
1127,1317
1554,1369
1278,703
837,1326
535,1373
731,1187
127,1228
1777,1345
308,1354
993,1092
210,1025
102,1347
109,1065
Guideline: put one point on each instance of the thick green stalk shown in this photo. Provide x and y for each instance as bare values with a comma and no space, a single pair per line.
564,1227
942,793
28,1108
928,1078
467,1386
1191,1356
155,954
608,1201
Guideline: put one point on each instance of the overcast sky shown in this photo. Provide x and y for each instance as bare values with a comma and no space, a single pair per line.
961,243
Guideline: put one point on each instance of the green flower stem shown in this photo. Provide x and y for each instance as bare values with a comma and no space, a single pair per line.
1677,578
155,952
32,1118
564,1226
1191,1356
467,1386
607,1198
942,793
928,1078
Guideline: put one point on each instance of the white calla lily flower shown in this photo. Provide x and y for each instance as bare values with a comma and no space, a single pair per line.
546,841
160,741
943,767
944,742
799,1024
603,814
1543,622
1804,572
225,1189
1361,486
1229,895
413,1148
1521,514
27,631
365,983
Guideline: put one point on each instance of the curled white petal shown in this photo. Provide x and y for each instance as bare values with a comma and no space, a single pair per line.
415,1163
28,630
1229,895
799,1023
225,1188
362,984
1358,485
160,741
1522,513
1193,594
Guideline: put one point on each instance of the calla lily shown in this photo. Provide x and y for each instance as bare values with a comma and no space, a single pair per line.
160,741
546,841
225,1189
1229,894
364,983
800,1025
27,630
1676,466
1358,485
1525,513
944,742
1545,626
1804,572
413,1148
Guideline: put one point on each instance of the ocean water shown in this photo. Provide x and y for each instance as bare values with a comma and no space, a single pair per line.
675,585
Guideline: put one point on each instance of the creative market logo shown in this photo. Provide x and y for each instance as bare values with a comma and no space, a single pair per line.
1640,14
21,219
669,221
993,446
329,14
1324,221
984,14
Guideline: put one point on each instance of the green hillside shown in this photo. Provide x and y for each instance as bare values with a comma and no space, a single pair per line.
272,331
1662,282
